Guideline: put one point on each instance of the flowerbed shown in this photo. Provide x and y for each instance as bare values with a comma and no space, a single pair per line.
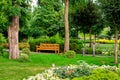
77,72
105,41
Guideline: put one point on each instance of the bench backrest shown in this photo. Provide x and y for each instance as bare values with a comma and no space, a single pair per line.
49,46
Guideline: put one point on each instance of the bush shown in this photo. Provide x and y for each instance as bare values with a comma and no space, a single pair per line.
90,51
2,38
105,41
26,51
21,45
76,45
72,71
1,51
23,58
55,39
100,74
70,54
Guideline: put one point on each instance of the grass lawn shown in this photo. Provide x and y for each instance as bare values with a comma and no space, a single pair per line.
14,70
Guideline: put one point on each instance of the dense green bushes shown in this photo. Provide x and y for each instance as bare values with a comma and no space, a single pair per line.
2,40
1,51
34,42
24,55
75,44
70,54
21,45
83,71
90,51
100,74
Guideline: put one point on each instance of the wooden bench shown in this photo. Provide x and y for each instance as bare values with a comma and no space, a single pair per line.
51,47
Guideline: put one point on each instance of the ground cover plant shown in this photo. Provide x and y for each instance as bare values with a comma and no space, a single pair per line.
82,71
102,49
15,70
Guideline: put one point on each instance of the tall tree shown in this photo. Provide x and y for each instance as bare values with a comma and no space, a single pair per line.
66,25
13,10
86,17
48,19
111,8
75,7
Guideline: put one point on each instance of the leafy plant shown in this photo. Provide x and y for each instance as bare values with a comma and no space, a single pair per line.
100,74
70,54
26,51
1,51
23,58
2,38
76,45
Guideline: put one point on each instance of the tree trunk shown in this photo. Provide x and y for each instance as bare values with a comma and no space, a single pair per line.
84,40
13,30
83,49
116,47
66,24
94,45
90,31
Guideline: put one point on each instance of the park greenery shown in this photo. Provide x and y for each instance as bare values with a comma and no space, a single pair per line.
86,30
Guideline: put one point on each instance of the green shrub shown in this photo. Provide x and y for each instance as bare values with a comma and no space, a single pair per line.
90,51
76,45
1,51
26,51
70,54
100,74
21,45
2,38
55,40
23,58
73,71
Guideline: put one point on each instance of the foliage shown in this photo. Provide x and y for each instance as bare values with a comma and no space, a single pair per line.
111,10
100,74
47,19
70,54
83,70
76,45
2,38
90,51
55,39
23,58
3,16
106,41
26,51
1,51
21,45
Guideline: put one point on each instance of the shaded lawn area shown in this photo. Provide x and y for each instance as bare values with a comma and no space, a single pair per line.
14,70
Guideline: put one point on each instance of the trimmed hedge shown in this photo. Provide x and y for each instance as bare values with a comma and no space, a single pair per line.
75,44
21,45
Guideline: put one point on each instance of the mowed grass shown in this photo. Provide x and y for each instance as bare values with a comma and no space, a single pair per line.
14,70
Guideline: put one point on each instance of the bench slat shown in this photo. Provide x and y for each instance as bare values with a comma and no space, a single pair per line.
53,47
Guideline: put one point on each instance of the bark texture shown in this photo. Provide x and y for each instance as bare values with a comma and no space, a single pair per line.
90,32
13,30
66,24
116,47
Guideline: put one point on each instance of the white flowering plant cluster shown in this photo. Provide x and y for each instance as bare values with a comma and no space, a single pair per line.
70,72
